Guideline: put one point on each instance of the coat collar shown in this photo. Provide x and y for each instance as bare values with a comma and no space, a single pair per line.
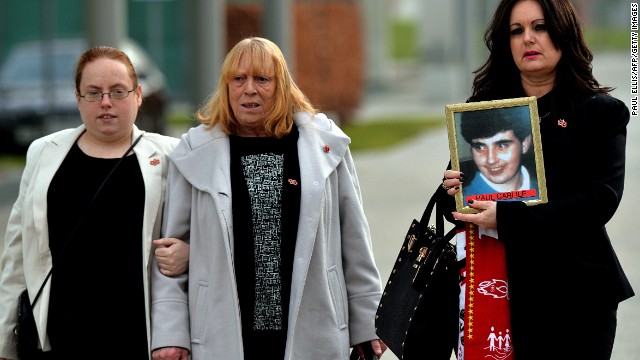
203,153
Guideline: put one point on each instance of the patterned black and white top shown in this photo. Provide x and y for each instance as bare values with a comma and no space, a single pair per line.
265,177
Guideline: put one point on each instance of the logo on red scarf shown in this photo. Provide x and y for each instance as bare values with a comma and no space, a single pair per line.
487,321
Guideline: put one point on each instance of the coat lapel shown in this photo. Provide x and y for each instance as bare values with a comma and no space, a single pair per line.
53,154
151,164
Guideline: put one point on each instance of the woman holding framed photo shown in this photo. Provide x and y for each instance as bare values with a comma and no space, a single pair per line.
564,278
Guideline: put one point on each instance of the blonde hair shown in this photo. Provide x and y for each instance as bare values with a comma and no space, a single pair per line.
267,59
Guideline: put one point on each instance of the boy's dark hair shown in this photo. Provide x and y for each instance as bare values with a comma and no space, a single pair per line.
486,123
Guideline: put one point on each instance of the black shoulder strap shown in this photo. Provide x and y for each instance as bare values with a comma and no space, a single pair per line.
426,215
439,218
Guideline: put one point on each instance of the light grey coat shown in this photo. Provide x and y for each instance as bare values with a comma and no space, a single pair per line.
27,259
335,286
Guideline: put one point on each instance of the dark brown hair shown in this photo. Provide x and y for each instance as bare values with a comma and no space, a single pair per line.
499,77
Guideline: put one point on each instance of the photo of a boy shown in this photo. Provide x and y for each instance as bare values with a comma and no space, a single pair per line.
500,143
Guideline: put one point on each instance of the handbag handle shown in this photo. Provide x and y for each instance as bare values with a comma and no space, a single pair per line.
82,218
426,215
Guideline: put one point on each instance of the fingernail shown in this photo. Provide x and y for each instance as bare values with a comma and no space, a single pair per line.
470,201
457,187
462,177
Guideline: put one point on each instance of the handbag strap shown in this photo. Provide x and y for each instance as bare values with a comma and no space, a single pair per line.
104,182
426,215
439,218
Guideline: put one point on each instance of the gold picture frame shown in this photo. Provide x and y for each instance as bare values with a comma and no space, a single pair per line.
496,144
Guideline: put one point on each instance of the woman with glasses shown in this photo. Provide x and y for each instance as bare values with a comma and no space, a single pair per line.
98,233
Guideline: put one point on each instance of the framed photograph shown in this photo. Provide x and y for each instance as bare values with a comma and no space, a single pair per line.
496,144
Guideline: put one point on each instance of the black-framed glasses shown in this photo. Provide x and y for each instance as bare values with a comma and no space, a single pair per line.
115,94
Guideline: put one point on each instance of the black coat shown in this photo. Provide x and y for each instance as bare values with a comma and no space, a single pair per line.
564,276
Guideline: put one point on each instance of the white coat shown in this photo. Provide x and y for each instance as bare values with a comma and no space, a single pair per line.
27,258
335,286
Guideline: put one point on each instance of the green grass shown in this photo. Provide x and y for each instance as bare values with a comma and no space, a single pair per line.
181,119
9,162
372,134
385,133
608,38
403,39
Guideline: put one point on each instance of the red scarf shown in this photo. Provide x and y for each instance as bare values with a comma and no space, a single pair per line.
487,324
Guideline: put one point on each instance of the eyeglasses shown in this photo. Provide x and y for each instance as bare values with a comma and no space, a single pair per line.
115,94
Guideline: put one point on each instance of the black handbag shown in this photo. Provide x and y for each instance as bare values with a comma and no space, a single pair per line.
25,329
417,317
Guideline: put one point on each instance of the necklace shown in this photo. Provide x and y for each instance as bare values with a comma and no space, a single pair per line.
540,118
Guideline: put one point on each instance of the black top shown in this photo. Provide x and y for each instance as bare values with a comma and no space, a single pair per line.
97,293
265,182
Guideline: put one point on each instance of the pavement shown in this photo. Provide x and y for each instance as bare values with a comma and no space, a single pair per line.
397,183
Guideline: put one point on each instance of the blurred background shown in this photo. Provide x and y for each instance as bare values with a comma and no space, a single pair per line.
369,64
340,51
